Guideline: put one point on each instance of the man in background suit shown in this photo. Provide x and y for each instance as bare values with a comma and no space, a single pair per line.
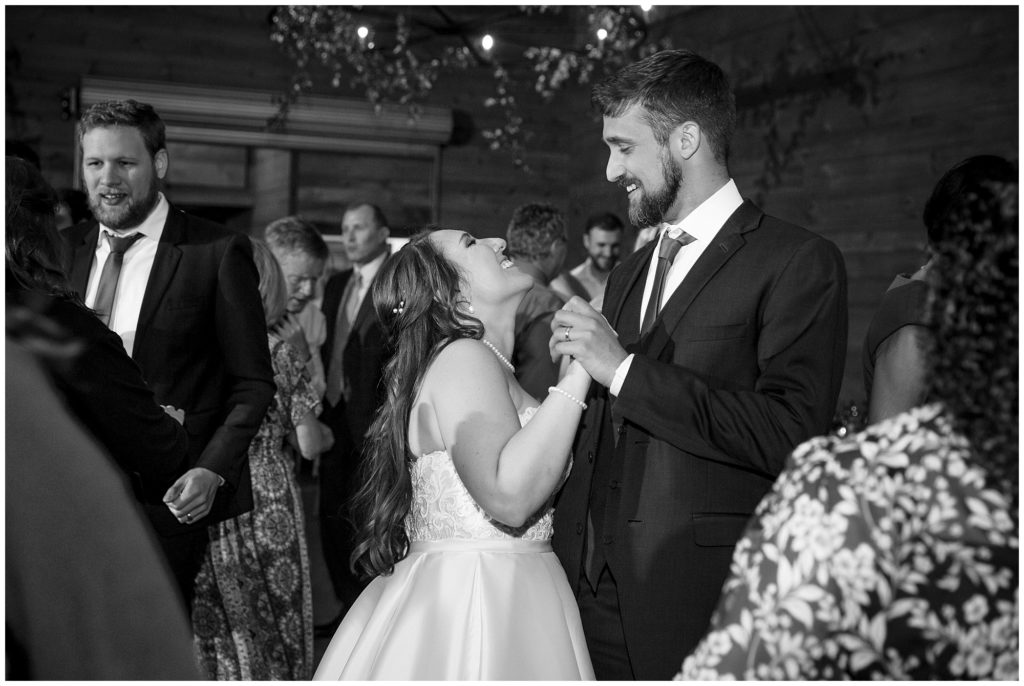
187,307
353,355
696,405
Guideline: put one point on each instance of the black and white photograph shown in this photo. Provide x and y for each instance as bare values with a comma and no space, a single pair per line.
512,342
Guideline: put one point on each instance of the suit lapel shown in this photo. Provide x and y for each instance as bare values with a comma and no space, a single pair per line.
82,255
727,242
366,315
637,268
331,306
165,263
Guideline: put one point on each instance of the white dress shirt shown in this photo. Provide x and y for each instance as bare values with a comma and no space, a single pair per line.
703,223
135,269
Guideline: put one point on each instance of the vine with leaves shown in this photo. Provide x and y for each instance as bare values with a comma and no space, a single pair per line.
405,73
792,83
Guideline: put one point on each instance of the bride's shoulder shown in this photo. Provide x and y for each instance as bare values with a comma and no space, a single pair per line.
465,356
463,368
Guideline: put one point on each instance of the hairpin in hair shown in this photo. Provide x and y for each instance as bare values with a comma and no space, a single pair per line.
400,309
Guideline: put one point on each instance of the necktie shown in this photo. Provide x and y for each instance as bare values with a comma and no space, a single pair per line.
674,239
348,308
104,301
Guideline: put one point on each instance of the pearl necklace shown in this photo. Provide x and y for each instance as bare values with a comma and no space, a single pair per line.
494,349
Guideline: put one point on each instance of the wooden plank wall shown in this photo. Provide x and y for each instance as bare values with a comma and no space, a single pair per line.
51,48
942,83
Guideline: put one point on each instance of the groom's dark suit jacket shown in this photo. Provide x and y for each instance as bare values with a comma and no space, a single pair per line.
201,344
744,362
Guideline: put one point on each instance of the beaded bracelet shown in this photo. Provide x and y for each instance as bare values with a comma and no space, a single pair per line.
568,395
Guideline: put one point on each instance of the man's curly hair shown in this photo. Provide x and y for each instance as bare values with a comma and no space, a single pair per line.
973,311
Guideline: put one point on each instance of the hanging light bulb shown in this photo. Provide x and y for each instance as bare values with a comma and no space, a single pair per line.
646,8
362,32
602,34
487,42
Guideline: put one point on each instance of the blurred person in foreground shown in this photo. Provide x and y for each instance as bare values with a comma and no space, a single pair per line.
895,347
894,553
101,384
253,612
88,592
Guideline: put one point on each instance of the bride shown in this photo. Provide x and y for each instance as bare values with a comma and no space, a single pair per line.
455,508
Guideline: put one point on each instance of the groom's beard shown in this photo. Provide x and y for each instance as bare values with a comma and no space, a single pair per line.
650,209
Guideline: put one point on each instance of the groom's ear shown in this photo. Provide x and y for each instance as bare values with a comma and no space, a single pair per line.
686,139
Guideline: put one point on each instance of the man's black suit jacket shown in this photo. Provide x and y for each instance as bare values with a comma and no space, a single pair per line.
201,343
744,362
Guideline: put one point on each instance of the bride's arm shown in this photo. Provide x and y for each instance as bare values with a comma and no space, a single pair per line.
510,471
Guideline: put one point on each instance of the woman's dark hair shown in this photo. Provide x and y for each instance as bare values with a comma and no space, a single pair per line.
973,312
34,249
416,296
673,86
953,184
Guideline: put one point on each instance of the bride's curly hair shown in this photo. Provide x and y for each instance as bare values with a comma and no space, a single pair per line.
417,295
973,310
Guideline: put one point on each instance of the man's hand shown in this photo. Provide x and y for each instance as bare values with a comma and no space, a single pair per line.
289,330
191,496
582,332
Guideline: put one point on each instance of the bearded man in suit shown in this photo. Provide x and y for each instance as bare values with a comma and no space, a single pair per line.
182,294
708,371
353,355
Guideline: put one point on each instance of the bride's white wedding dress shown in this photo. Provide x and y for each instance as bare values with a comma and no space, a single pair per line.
473,600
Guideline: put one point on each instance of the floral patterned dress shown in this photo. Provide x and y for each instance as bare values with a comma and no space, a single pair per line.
252,613
878,556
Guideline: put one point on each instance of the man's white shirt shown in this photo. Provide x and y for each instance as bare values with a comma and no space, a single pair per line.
703,223
135,270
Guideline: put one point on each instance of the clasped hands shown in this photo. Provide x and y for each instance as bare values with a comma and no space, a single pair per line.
581,332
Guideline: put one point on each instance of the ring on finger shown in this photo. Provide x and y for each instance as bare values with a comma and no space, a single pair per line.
567,330
188,517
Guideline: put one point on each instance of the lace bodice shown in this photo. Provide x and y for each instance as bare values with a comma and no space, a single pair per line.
443,509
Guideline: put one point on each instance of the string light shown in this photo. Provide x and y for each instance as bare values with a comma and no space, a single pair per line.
602,34
646,8
362,32
487,42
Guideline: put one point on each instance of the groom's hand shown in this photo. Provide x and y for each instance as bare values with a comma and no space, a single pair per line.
191,496
590,339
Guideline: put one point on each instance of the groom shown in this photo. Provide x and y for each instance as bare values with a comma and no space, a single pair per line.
723,348
183,295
